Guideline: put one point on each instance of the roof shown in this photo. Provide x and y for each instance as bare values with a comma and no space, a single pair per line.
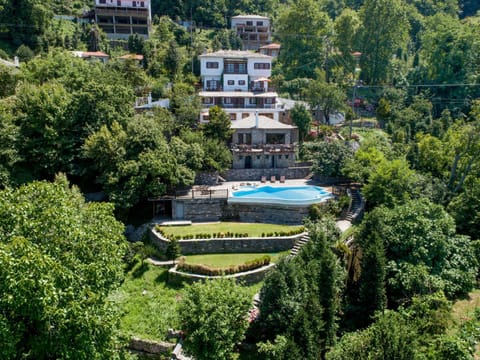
7,63
289,103
250,17
245,94
263,123
270,46
138,57
236,54
87,54
163,103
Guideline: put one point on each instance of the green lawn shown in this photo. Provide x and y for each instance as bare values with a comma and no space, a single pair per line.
252,229
224,260
147,303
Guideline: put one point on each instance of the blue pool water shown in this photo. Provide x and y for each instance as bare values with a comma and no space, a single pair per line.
283,195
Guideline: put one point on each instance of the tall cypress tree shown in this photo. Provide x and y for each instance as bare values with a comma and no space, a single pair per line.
372,294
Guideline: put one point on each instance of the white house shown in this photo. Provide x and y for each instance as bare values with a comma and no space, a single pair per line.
254,30
122,18
237,81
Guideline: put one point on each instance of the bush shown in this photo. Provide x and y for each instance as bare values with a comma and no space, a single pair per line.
202,269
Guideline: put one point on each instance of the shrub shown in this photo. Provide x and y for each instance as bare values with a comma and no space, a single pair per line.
202,269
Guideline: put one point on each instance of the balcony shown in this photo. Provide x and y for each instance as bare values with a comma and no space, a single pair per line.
142,12
264,148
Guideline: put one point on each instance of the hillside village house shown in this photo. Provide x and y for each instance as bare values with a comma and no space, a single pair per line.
121,18
237,81
259,142
272,50
254,30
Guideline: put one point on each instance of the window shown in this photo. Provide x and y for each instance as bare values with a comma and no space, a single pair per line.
119,3
266,157
103,1
268,100
241,82
258,157
286,156
259,23
279,156
275,138
142,3
227,100
212,65
249,23
231,82
207,100
212,84
233,117
134,3
263,66
242,68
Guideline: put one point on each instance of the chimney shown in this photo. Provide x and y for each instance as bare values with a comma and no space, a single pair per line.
256,119
16,62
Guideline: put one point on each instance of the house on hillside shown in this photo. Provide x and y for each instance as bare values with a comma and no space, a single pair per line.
121,18
272,50
237,81
259,142
91,55
254,30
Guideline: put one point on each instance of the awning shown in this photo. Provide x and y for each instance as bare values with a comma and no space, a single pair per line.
262,79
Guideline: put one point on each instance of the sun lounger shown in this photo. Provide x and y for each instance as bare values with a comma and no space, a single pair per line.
264,179
273,179
282,179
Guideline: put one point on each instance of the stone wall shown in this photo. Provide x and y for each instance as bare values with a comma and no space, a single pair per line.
229,245
198,210
149,347
247,278
274,214
256,174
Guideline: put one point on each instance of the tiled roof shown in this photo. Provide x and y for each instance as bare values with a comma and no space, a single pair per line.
236,54
250,17
263,123
270,46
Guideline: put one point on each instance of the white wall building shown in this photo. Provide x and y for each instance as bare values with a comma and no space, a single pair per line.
122,18
254,30
238,81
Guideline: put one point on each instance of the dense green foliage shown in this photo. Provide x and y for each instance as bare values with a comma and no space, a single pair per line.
60,259
213,317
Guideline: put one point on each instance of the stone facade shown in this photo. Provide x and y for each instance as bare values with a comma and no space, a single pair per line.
256,174
229,245
198,210
274,214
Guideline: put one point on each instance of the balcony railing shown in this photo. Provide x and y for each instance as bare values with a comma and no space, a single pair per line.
265,148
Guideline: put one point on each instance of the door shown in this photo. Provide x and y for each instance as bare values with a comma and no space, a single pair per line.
273,161
248,162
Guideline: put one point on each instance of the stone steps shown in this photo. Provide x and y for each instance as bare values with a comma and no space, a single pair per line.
298,245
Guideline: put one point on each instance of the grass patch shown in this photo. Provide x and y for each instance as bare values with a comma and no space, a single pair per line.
224,260
463,311
147,303
252,229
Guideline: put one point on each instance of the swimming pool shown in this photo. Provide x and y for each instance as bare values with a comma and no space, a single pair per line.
282,195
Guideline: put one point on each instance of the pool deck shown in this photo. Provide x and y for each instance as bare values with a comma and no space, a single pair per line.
233,185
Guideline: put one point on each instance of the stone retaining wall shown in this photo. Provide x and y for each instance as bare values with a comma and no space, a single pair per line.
229,245
256,174
150,347
247,277
273,214
198,210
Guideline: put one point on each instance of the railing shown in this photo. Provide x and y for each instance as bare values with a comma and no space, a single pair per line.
202,193
280,148
121,11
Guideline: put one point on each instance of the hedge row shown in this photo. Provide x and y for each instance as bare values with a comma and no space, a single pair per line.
201,269
227,234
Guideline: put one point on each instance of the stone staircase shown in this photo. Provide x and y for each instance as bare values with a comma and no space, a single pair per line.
300,242
355,205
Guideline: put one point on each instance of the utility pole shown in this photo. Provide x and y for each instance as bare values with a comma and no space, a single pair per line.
356,84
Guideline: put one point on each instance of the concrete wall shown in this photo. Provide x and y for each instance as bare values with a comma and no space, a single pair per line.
229,245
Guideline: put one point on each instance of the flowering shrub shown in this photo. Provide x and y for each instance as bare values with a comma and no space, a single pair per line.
201,269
